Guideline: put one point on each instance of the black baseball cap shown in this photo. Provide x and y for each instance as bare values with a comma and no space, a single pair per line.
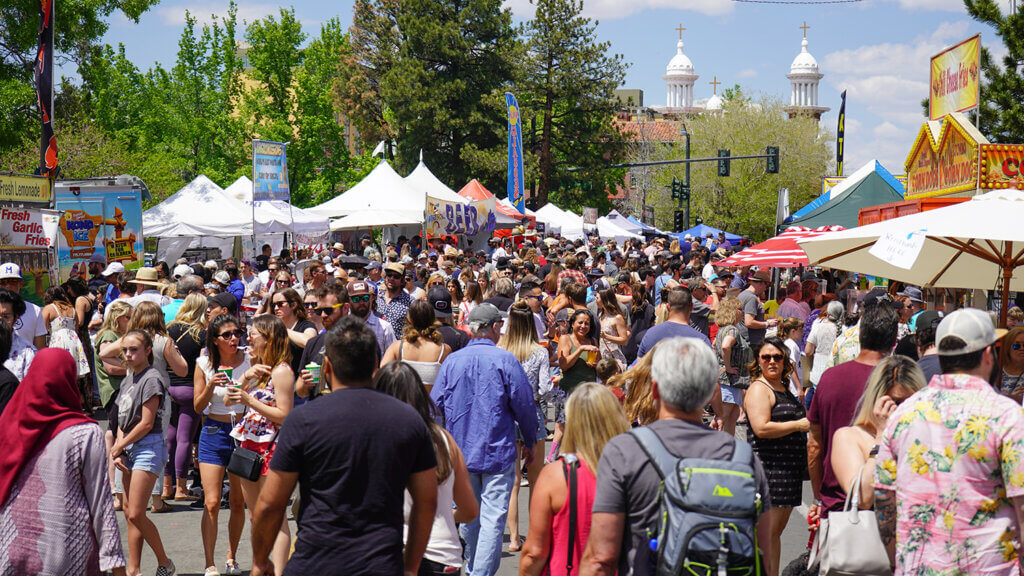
441,300
225,300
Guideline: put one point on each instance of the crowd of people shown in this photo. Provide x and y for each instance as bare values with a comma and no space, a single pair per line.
400,400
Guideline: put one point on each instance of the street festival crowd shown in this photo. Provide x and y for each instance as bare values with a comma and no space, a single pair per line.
395,398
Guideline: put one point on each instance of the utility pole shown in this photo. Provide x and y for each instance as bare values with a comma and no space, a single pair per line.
686,134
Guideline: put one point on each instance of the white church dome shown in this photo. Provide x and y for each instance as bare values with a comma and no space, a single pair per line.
679,64
804,63
714,103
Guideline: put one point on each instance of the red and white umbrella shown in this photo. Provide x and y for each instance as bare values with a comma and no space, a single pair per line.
779,251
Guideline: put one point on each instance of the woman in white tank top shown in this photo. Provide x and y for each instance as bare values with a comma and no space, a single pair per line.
455,500
422,346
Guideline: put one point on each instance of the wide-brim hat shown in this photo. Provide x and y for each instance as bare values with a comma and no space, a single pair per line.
147,276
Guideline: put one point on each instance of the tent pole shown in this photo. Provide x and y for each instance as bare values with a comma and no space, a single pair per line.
1007,276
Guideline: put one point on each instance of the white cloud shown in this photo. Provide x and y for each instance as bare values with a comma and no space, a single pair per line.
932,5
205,12
746,73
615,9
888,130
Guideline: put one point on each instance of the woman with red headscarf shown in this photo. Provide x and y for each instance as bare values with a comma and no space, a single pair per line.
54,491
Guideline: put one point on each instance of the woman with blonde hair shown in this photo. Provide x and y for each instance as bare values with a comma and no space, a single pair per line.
593,417
520,339
1011,358
422,347
188,331
267,392
109,374
734,357
639,404
854,447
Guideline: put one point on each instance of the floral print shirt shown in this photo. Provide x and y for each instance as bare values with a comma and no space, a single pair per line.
954,455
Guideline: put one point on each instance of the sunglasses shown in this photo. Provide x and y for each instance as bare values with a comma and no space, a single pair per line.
772,357
280,303
310,305
229,334
361,298
394,275
327,310
1016,346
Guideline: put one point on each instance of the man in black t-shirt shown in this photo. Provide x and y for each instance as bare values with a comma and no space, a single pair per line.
263,260
441,300
353,452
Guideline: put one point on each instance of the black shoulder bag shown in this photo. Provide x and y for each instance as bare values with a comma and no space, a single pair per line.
247,464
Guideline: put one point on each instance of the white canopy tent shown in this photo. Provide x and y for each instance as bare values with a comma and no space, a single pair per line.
573,227
423,180
607,229
382,190
282,216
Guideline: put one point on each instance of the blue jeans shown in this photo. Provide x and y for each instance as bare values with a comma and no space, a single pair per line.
808,396
483,535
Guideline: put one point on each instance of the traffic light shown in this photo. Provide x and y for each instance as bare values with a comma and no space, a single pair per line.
723,163
772,165
679,220
676,188
698,221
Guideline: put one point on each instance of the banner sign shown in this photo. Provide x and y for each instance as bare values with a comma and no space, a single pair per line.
270,171
946,164
24,189
106,219
1002,166
648,215
841,136
514,179
37,271
44,89
899,248
955,79
25,228
447,218
590,216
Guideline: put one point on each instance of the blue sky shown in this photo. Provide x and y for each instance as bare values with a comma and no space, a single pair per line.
877,50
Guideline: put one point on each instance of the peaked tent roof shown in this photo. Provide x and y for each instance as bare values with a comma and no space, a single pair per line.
702,230
200,208
285,217
625,223
847,183
505,216
842,210
423,180
382,189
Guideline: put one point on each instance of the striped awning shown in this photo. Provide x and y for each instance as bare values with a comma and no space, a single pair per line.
782,251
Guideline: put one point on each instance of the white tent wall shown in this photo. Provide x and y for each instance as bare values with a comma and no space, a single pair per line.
170,249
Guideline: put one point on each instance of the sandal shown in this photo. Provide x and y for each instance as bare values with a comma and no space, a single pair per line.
161,510
516,544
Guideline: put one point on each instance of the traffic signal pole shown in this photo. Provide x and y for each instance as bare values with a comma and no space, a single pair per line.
686,134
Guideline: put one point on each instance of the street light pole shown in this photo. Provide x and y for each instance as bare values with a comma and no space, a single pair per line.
686,134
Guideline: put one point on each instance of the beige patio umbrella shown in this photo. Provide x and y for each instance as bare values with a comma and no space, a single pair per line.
977,244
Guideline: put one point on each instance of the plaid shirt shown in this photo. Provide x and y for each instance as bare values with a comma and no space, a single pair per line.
576,276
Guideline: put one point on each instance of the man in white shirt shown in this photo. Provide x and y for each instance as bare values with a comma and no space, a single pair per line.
31,326
253,282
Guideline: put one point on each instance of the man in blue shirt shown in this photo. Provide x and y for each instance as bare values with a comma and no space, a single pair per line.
680,304
483,392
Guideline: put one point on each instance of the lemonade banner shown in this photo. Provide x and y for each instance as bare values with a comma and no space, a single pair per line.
955,79
24,188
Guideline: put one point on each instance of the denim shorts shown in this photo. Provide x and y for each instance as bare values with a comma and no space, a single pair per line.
731,395
215,442
148,454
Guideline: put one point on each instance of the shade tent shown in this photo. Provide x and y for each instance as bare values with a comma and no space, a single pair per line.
381,190
570,225
974,244
424,181
870,185
283,216
505,214
609,230
625,223
780,251
702,230
200,208
377,219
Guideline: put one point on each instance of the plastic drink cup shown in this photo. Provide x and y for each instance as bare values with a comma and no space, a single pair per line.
314,372
591,357
229,372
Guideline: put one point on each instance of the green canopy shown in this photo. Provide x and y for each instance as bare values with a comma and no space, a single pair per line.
843,209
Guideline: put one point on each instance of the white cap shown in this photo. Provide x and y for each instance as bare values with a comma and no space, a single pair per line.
969,325
182,270
10,270
211,264
222,277
113,268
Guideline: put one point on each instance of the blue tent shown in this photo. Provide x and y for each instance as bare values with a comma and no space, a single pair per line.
702,230
647,228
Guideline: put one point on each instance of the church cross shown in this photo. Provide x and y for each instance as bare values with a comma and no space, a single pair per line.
680,30
715,84
804,28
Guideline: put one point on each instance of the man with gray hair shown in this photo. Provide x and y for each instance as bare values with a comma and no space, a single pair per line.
483,393
187,284
684,375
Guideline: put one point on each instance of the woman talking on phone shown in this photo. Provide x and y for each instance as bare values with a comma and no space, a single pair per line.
221,367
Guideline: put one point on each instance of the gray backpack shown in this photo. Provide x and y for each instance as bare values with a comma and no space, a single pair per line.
707,512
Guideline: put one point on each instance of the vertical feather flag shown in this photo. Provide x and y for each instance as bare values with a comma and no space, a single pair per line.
44,89
514,184
841,136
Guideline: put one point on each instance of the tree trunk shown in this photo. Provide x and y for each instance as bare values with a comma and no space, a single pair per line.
544,186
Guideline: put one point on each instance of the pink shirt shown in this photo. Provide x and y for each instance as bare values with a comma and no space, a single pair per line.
954,454
585,487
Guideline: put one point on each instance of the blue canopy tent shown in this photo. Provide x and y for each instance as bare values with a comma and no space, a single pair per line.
702,230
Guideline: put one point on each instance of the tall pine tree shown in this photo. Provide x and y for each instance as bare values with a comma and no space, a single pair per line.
1002,87
569,83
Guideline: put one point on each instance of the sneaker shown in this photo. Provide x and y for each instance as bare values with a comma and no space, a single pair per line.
524,482
211,571
231,568
166,570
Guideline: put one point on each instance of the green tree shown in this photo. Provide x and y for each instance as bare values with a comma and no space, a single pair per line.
454,55
79,24
1002,86
568,83
273,56
744,202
